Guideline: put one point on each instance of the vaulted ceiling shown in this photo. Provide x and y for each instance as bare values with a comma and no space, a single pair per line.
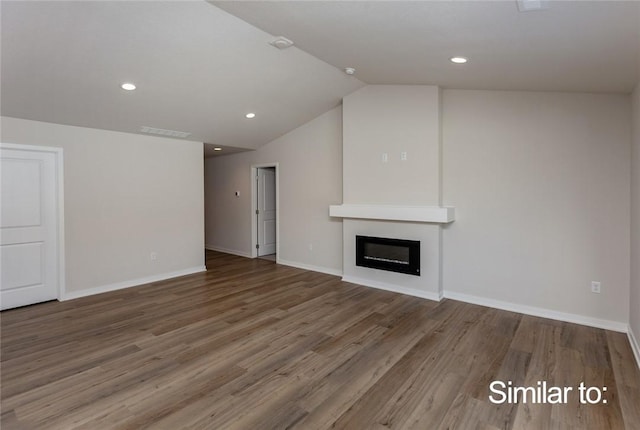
200,67
589,46
197,69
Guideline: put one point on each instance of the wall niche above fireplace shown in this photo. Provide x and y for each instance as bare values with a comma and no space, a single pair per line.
393,255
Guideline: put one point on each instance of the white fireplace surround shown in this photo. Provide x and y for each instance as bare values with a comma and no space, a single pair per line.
392,171
426,214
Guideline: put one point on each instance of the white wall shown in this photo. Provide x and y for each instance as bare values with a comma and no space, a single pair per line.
392,119
126,196
540,182
310,171
634,302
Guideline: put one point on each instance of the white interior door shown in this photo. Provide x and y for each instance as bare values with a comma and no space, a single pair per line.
28,227
266,211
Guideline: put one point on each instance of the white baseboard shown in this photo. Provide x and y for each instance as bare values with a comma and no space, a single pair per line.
310,267
228,251
539,312
131,283
635,346
394,288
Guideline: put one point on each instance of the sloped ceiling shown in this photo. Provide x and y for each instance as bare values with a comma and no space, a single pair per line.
200,66
197,69
587,46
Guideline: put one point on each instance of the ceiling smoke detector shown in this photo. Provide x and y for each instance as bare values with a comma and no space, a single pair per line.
281,42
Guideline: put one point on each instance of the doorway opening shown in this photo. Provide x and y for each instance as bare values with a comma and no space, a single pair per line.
265,211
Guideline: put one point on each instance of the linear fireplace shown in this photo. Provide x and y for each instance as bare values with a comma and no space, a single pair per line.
394,255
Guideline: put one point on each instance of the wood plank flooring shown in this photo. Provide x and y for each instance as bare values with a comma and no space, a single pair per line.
253,345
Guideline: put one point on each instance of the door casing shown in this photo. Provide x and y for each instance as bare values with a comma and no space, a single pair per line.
254,207
59,198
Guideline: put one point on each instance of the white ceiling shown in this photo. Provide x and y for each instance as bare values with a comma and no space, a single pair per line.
199,69
590,46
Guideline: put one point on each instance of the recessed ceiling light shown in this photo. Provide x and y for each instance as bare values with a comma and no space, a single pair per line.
250,115
349,70
128,86
458,60
217,149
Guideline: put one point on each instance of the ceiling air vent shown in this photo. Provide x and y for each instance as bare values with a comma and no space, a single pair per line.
281,42
163,132
531,5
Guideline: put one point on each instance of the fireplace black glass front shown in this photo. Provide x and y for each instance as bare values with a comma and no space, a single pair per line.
394,255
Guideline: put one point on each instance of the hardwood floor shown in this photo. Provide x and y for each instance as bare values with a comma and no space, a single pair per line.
253,345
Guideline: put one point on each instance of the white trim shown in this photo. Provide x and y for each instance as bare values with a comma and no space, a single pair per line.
228,251
428,214
132,283
59,165
62,280
34,148
635,346
254,206
539,312
394,288
310,267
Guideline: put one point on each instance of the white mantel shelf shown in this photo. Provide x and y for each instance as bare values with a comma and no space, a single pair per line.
427,214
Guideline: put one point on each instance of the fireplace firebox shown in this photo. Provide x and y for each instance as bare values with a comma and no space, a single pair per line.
394,255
